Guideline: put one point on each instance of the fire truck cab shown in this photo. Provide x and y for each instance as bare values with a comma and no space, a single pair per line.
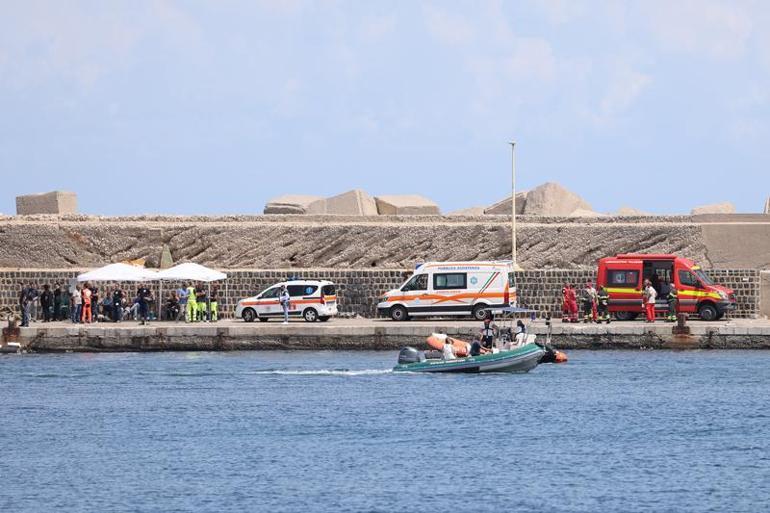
623,276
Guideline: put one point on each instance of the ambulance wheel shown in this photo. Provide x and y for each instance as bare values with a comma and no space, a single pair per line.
708,312
399,313
249,315
480,312
310,315
625,316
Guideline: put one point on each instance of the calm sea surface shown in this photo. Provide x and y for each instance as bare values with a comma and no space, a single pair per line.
324,431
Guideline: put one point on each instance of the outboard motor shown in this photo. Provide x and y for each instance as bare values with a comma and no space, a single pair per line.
410,355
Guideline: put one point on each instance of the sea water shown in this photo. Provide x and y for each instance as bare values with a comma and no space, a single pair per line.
338,431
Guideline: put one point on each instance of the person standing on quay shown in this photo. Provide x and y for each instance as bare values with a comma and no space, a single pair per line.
285,300
76,305
46,302
192,305
85,313
24,304
117,304
144,296
213,305
57,302
181,293
650,295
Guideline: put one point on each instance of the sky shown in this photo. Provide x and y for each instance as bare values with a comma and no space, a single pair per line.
197,107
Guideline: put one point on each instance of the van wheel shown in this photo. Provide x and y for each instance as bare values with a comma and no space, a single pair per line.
399,313
310,315
625,316
708,312
480,312
249,315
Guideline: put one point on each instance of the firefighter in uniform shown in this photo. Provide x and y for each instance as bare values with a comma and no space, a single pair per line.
672,303
192,304
603,305
588,302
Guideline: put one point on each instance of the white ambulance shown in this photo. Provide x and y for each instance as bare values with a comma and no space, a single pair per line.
313,300
451,288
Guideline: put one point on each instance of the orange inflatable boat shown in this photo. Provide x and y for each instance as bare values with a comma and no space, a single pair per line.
461,348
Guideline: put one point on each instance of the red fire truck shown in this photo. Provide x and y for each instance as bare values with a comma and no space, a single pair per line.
623,276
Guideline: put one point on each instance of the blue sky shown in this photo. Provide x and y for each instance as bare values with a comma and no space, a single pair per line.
215,107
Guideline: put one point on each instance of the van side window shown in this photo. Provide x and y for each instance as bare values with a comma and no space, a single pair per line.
328,290
623,278
301,290
418,282
449,281
687,278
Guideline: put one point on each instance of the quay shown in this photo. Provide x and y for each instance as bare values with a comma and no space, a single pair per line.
370,334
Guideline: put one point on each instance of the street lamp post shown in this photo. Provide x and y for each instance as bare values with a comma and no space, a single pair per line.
513,203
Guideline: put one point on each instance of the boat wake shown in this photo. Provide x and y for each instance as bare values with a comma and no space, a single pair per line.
324,372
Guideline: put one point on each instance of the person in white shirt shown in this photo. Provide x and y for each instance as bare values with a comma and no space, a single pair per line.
285,301
448,350
650,295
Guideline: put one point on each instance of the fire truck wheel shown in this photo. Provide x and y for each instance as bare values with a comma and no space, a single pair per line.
708,312
625,316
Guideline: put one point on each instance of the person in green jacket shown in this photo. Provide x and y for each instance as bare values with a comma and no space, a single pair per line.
673,297
192,304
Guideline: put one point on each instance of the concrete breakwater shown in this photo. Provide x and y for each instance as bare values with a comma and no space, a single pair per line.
357,334
359,289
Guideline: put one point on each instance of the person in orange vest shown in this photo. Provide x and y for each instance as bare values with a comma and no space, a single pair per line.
85,314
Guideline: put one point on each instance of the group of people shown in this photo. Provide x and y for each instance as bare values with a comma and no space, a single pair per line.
82,303
594,305
485,341
193,303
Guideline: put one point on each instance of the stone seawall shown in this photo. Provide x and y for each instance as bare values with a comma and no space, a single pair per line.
375,335
359,289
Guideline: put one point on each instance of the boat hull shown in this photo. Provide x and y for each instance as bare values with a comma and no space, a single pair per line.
522,359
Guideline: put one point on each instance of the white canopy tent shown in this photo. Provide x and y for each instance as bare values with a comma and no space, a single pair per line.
119,272
192,272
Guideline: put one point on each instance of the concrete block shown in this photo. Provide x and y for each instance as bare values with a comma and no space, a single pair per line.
351,203
716,208
56,202
406,204
290,204
472,211
503,207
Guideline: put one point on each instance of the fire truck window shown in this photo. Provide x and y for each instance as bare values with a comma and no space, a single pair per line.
623,278
687,278
449,281
418,282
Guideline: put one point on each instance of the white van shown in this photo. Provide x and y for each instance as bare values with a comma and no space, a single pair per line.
451,288
313,300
